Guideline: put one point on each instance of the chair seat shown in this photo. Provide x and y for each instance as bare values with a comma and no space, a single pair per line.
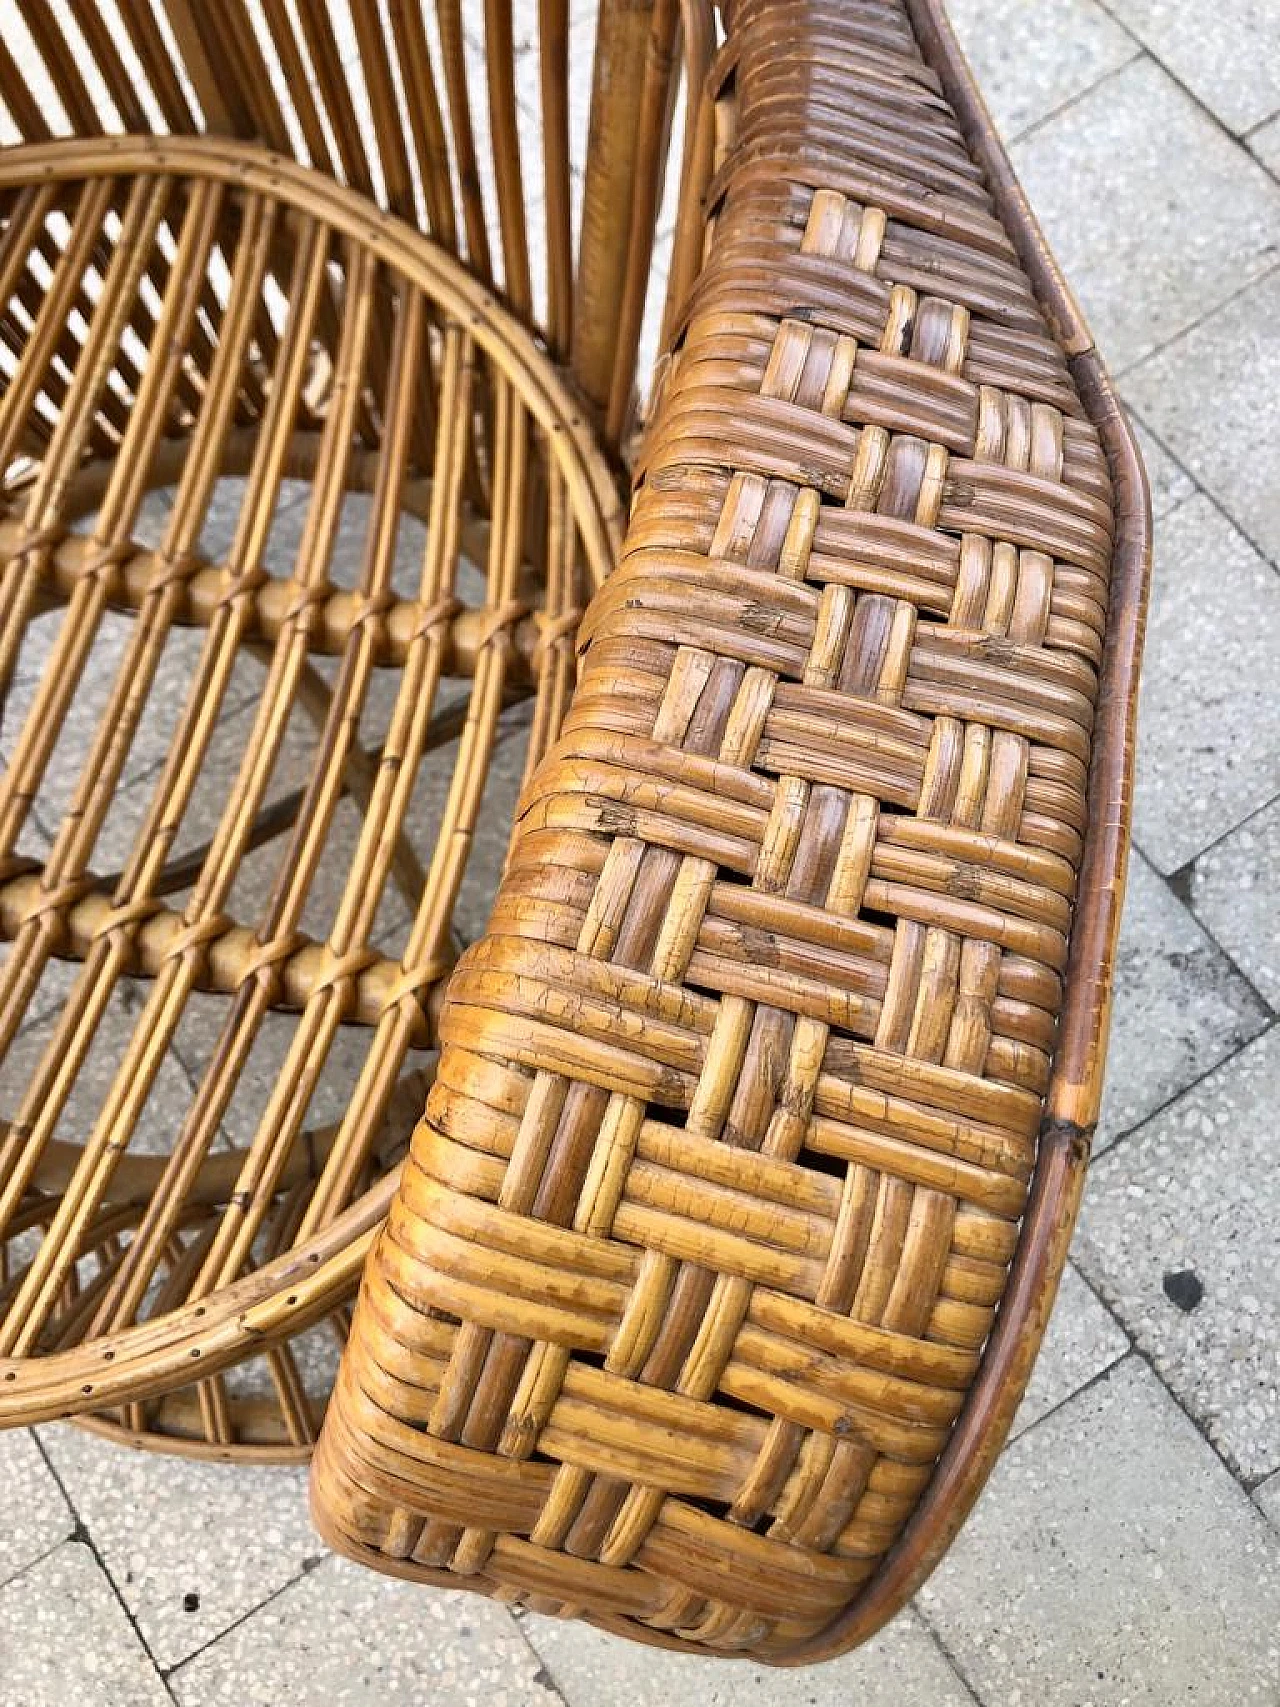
295,526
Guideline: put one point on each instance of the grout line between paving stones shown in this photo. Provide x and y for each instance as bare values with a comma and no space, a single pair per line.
936,1635
1272,1518
1064,106
39,1559
1247,136
1176,1096
1120,374
1217,122
1099,1375
1200,489
1143,52
308,1566
1161,443
1098,1289
1137,1354
1246,1484
544,1677
948,1653
83,1535
1178,883
1211,847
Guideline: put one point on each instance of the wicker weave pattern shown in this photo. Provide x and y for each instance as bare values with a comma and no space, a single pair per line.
700,1240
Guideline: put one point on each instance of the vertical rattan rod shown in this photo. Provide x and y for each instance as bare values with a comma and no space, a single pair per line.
62,63
267,1153
296,78
23,108
657,91
426,120
453,48
384,113
112,312
157,61
38,1113
504,133
105,56
406,738
615,148
553,84
107,957
225,86
699,42
19,397
348,941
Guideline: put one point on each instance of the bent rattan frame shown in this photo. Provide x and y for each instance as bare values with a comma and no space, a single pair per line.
724,1249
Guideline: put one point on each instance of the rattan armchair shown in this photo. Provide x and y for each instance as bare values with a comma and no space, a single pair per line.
721,1254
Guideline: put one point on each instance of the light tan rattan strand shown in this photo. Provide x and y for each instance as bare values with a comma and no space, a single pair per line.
178,311
726,1242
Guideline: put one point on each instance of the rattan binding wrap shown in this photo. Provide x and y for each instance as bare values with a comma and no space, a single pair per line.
726,1243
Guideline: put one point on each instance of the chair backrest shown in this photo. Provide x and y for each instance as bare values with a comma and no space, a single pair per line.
533,140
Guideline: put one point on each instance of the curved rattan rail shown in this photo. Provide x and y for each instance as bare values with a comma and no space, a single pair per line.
723,1252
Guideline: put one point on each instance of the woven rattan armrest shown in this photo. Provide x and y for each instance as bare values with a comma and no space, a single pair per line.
726,1243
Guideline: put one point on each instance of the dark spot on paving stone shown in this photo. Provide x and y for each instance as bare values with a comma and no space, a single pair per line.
191,1601
1181,881
1184,1288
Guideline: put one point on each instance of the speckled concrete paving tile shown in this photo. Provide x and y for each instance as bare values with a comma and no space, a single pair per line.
1209,725
1180,1006
34,1517
192,1547
1225,53
1267,1495
1030,59
346,1637
1235,889
1113,1562
65,1640
1265,143
1083,1340
1147,249
1179,1234
1212,394
902,1667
